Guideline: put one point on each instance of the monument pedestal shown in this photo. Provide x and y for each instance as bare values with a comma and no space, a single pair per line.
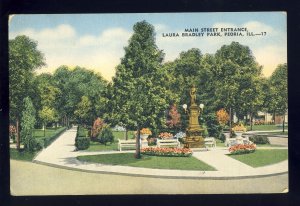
194,132
193,142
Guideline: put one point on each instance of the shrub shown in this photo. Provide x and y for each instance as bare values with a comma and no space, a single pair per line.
33,144
97,127
222,137
50,139
170,152
214,129
259,139
82,143
205,131
222,116
81,132
152,141
106,136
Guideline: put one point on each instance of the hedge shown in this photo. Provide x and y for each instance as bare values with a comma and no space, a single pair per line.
259,139
82,142
50,139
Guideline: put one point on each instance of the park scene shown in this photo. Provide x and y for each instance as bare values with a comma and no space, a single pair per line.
150,124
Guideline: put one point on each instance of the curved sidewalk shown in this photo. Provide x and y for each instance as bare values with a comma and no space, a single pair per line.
61,153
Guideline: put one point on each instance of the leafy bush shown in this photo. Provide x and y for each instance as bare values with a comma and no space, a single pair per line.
32,144
213,127
259,139
152,141
96,129
106,136
82,143
81,132
205,131
222,137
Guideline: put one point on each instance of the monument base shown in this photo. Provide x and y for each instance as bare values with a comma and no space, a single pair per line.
193,142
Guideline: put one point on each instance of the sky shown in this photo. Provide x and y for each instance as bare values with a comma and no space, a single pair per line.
97,41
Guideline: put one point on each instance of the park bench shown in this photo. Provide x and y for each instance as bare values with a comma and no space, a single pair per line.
126,144
233,141
168,143
210,141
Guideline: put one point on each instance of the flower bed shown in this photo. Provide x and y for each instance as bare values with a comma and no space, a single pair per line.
145,131
170,152
239,128
242,148
165,135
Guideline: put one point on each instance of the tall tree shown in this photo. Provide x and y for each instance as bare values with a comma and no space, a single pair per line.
47,115
235,70
75,83
279,91
46,93
84,111
24,58
139,98
28,121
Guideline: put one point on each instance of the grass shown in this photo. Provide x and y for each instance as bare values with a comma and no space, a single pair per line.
121,135
269,145
21,155
264,127
39,133
156,162
96,146
262,157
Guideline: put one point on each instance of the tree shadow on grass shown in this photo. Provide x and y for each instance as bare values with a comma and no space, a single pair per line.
113,159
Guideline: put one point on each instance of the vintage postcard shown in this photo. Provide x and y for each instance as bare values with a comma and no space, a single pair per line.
148,103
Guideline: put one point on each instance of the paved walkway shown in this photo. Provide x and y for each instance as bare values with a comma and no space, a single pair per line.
27,178
61,153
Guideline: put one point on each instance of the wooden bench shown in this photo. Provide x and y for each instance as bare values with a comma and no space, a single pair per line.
233,141
168,143
210,141
126,144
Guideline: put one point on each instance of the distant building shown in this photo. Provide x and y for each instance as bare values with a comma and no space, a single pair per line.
268,118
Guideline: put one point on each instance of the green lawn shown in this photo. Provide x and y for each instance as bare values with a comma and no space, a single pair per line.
21,155
39,133
121,135
269,145
128,159
262,157
265,127
96,146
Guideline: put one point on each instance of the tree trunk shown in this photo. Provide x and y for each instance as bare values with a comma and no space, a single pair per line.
138,146
126,134
17,134
230,121
251,121
44,129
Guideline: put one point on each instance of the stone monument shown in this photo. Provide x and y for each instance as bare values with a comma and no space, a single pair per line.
194,131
